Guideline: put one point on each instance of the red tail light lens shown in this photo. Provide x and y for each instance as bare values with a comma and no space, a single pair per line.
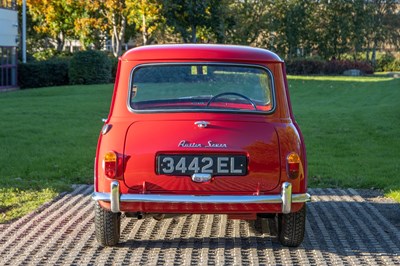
110,163
293,165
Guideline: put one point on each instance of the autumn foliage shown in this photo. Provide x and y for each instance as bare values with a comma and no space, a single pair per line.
292,28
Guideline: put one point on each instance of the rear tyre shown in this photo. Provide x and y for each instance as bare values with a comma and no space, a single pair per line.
291,227
107,226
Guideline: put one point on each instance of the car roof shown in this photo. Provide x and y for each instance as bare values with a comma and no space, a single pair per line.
206,52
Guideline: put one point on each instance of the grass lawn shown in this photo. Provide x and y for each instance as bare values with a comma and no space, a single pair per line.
48,137
48,142
351,127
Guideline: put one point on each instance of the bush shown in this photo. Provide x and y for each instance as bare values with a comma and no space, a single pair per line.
364,66
383,63
50,54
304,67
333,67
43,73
394,66
337,67
29,57
114,67
90,67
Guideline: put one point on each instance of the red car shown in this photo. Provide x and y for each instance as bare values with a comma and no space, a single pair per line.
201,129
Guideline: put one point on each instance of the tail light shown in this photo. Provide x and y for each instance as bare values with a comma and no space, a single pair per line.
110,164
293,165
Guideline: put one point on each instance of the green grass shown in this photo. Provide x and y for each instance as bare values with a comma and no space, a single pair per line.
48,142
351,127
48,137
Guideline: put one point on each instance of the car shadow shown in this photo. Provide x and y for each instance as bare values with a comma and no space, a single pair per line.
339,223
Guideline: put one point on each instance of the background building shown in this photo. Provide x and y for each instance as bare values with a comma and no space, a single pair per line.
8,44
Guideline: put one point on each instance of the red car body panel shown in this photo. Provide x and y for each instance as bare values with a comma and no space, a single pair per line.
137,138
262,174
196,208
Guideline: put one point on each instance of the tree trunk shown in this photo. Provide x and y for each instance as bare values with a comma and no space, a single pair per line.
373,57
144,29
60,41
112,43
122,34
118,35
194,38
116,44
290,54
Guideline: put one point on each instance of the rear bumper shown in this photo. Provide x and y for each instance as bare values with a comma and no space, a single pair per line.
286,198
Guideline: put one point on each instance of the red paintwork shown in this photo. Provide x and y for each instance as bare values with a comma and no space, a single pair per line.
201,53
215,105
263,166
203,208
266,139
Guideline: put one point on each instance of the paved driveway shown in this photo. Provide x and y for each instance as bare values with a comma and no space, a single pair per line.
345,227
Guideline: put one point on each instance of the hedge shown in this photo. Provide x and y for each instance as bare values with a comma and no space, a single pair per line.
86,67
393,66
43,73
114,67
333,67
90,67
304,67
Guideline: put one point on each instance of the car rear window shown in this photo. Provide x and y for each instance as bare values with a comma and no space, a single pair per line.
201,87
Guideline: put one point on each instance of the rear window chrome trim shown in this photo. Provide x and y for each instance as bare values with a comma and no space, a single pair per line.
181,110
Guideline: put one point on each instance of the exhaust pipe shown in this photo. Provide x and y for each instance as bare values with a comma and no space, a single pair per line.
137,215
158,216
140,215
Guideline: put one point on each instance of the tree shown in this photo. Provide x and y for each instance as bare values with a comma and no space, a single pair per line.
292,24
103,18
115,12
291,27
334,27
146,16
382,25
54,18
90,26
247,19
34,40
120,14
359,25
188,17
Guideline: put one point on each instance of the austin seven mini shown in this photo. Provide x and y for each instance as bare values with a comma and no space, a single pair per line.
200,129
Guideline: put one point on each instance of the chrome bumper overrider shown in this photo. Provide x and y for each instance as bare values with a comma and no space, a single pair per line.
286,198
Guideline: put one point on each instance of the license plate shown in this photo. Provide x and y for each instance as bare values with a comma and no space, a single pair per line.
205,164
